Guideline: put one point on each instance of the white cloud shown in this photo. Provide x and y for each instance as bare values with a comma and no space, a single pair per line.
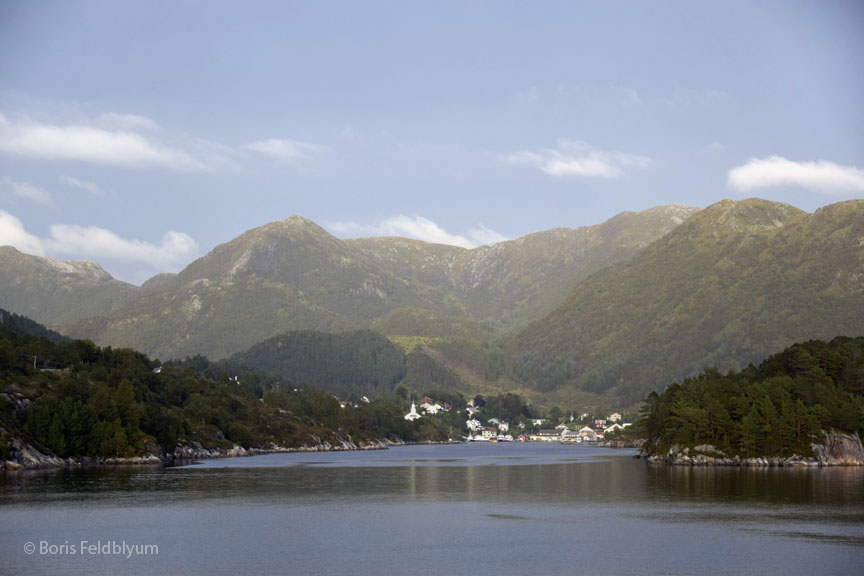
285,150
93,144
93,243
418,228
30,192
115,121
136,259
773,171
12,233
90,187
571,158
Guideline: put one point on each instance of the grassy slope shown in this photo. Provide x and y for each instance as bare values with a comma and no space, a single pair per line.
732,284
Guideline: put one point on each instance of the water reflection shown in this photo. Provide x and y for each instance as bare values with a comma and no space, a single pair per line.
551,475
441,510
829,486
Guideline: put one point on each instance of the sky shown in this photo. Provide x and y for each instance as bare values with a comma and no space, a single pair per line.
141,135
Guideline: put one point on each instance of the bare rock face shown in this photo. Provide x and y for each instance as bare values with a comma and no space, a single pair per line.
26,456
840,450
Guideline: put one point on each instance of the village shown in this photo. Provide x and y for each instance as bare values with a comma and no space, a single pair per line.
496,430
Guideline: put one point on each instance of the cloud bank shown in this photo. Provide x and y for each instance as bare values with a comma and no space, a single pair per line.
74,242
418,228
822,176
12,233
93,243
92,143
133,141
573,158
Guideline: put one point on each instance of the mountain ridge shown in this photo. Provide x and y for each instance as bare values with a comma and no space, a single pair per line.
725,288
293,275
611,310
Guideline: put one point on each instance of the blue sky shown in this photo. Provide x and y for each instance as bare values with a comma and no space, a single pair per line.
140,135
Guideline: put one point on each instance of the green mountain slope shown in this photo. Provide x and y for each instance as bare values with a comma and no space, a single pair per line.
55,292
293,275
515,281
350,364
733,283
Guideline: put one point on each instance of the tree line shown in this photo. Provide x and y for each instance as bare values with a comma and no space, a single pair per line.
776,409
79,399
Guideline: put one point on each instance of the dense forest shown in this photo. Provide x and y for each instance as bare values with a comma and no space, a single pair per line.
775,409
15,323
349,364
73,398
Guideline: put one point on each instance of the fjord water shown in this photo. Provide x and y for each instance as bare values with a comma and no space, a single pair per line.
458,509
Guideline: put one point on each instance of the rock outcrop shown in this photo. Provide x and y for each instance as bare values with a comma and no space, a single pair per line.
837,449
840,450
186,451
24,456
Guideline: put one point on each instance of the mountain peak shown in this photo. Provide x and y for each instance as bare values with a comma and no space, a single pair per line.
750,214
297,220
294,224
83,270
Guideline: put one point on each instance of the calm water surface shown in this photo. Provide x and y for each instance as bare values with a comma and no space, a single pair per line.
463,509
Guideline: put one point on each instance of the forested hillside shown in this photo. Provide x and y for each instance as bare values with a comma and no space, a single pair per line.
350,364
776,409
83,400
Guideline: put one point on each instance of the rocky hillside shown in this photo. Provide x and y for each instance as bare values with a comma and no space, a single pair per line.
55,292
729,286
293,275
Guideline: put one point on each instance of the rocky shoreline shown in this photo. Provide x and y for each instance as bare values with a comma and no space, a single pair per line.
24,456
837,450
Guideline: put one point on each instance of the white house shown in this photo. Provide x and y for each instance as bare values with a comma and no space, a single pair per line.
538,421
474,425
616,417
503,426
588,433
612,428
431,408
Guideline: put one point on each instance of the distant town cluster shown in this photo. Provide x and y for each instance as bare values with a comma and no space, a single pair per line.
481,429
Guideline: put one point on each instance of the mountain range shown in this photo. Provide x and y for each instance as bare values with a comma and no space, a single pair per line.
735,283
615,309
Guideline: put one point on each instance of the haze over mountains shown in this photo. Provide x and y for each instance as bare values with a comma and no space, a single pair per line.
615,309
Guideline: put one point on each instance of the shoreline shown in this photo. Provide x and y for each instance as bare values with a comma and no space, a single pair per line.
838,449
27,458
